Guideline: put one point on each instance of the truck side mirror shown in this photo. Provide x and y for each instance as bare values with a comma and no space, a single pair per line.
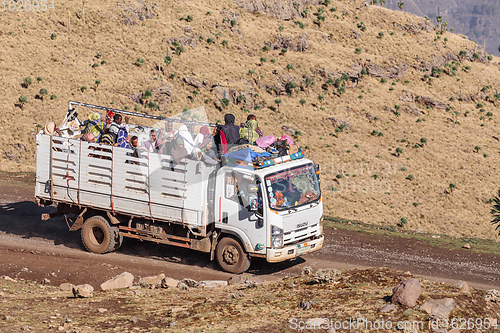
316,167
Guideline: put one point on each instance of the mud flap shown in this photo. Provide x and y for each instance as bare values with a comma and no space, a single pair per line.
78,222
215,236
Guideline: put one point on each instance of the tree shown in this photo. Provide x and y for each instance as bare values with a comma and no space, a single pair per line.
302,102
27,81
495,210
224,102
262,60
382,2
43,93
401,5
22,101
278,102
139,62
399,151
291,86
167,60
289,67
241,98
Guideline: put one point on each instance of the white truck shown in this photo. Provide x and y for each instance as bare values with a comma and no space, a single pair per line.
230,210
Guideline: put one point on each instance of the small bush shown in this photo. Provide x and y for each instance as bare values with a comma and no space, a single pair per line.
139,62
53,96
189,18
210,40
27,81
403,221
358,50
53,36
83,88
410,177
39,79
22,100
383,80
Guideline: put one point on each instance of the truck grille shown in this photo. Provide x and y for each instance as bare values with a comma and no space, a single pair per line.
298,235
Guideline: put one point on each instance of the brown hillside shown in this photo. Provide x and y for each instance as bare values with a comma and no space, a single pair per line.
362,178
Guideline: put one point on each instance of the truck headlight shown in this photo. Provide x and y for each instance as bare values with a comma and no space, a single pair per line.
276,237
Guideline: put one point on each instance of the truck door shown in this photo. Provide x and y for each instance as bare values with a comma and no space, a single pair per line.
241,207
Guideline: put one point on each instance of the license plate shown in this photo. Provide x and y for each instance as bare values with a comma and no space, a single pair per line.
303,248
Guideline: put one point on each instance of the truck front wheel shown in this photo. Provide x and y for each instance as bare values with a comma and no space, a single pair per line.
98,236
231,257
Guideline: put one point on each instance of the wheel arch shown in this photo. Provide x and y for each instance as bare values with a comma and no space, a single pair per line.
239,235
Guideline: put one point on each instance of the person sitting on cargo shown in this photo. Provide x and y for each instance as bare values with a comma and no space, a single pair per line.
153,144
94,125
201,136
51,129
167,138
184,134
252,117
230,130
117,124
178,150
248,134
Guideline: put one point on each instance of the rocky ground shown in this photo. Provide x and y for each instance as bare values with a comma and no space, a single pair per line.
358,300
39,259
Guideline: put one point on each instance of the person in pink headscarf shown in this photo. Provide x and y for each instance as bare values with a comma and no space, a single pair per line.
200,137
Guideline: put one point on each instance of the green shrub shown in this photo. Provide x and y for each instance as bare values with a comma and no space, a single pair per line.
410,177
399,151
189,18
403,221
358,50
139,62
83,88
39,79
27,81
53,36
53,96
383,80
22,100
167,60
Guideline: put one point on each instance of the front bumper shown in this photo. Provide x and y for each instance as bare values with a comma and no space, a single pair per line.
292,251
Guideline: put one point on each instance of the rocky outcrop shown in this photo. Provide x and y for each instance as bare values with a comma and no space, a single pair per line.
297,44
283,10
439,308
428,101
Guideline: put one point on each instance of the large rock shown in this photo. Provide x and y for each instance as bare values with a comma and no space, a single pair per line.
66,286
492,295
407,292
124,280
212,284
244,279
151,281
464,287
169,283
83,290
326,275
439,308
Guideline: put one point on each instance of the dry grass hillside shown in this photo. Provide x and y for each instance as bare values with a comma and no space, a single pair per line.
390,88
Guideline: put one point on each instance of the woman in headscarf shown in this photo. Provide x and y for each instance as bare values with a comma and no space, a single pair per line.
178,150
249,132
122,139
95,125
200,137
184,134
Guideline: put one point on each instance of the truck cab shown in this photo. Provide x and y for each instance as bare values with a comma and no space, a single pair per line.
274,211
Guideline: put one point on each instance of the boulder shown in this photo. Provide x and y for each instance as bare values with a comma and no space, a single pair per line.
388,308
83,291
169,283
124,280
326,275
439,308
492,295
407,292
190,282
151,281
66,286
212,284
464,287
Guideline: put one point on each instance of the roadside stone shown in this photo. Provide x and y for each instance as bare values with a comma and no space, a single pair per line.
182,286
102,310
124,280
317,322
492,295
407,292
307,270
466,246
326,275
190,282
388,308
172,324
237,279
66,286
134,319
8,278
46,281
464,287
439,308
169,283
83,291
212,284
305,305
151,281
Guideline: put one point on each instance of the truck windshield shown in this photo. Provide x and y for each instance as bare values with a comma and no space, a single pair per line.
293,187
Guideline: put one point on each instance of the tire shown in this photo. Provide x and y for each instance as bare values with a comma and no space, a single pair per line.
231,256
98,236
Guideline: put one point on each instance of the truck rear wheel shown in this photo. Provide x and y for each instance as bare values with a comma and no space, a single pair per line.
231,257
98,236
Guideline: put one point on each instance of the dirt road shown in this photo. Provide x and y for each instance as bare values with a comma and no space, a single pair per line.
38,250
